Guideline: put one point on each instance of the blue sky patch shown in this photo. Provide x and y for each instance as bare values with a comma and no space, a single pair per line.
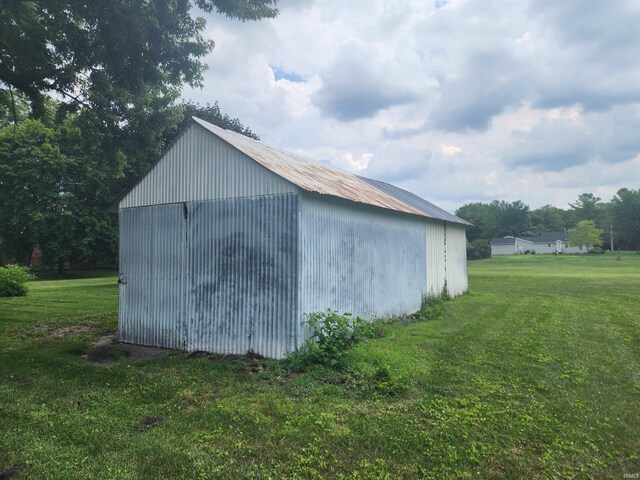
291,76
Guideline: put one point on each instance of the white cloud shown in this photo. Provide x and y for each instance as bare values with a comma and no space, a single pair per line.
457,101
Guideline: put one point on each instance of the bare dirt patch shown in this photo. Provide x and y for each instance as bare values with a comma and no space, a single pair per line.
107,349
71,331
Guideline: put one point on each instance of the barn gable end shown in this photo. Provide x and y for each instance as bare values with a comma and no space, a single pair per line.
201,166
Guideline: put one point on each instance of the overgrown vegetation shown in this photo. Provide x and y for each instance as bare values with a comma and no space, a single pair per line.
478,249
331,336
513,380
13,281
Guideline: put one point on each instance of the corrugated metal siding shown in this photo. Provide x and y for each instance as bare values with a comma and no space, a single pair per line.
201,166
413,200
242,284
456,258
309,175
152,269
359,259
435,252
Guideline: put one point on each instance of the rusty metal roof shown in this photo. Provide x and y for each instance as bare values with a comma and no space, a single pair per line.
315,177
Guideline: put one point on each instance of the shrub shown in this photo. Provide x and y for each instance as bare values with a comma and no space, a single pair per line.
13,281
332,335
596,251
478,249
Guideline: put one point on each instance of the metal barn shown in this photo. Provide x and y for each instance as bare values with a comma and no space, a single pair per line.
226,243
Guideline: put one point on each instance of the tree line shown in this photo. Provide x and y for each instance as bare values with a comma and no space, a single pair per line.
500,218
88,101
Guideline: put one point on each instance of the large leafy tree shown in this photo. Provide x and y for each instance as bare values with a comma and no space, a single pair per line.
585,233
547,219
483,218
110,56
512,218
50,197
116,68
122,62
625,212
495,219
210,113
587,207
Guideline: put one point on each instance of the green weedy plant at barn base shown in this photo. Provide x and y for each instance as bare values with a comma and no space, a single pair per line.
332,334
13,281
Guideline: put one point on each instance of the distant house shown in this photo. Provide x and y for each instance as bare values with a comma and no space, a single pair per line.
547,242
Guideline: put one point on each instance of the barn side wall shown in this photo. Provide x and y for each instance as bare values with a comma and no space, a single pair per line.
242,284
201,166
359,259
456,259
436,265
218,275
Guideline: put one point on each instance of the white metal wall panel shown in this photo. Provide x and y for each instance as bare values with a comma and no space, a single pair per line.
359,259
242,275
201,166
152,268
456,258
503,249
435,251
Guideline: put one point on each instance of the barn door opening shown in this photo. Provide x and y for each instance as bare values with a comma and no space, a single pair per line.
153,262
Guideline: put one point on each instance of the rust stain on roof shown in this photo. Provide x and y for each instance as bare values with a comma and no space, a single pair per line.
310,175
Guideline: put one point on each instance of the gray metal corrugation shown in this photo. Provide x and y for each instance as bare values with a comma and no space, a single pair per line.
308,175
201,166
435,252
242,284
152,267
456,259
428,208
359,259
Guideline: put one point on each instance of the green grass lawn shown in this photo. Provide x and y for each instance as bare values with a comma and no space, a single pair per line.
535,373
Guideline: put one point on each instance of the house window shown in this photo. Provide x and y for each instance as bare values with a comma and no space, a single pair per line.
566,245
580,247
548,245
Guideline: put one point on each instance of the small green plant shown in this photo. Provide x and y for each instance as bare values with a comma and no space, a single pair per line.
332,334
13,281
431,306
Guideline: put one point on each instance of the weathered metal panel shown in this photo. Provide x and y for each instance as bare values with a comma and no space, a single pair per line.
456,258
201,166
308,175
436,260
359,259
427,208
152,268
242,275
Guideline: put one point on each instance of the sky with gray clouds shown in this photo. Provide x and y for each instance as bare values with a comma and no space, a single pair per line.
457,101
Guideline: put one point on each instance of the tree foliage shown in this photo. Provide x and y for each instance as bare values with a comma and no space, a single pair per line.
587,207
109,56
116,69
625,212
52,197
209,113
585,233
495,219
549,219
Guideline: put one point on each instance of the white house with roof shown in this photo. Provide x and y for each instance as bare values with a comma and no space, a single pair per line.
546,242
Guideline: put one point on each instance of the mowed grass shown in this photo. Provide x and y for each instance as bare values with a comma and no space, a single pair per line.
535,373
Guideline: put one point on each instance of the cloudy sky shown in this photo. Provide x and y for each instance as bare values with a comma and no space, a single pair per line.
457,101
